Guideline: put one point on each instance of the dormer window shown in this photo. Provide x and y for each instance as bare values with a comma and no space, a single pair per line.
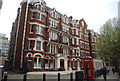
53,14
53,24
83,23
65,20
39,7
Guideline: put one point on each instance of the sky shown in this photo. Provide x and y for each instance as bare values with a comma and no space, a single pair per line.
94,12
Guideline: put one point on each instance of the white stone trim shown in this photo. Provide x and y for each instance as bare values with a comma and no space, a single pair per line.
65,25
38,54
23,41
37,24
35,10
29,54
73,59
54,20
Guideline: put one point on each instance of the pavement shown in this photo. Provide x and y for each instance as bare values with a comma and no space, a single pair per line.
51,76
110,77
51,73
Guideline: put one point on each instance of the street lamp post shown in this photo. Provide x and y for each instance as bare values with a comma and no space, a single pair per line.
44,60
29,61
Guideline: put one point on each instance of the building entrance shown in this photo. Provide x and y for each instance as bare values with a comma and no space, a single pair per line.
61,63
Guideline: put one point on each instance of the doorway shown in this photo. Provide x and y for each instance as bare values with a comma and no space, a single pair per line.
61,63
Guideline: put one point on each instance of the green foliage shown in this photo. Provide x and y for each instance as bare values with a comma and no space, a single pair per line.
108,45
52,69
40,70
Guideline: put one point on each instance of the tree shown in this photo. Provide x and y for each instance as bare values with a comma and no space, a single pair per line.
108,44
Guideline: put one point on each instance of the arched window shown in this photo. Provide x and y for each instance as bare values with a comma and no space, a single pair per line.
39,7
37,60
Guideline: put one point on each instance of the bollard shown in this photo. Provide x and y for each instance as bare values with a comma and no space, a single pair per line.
71,76
5,76
2,74
44,77
25,77
58,76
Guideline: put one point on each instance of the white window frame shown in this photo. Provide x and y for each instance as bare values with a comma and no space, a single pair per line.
39,7
53,24
53,14
77,32
31,28
66,51
39,29
53,35
51,63
47,65
73,40
53,49
65,29
33,15
30,45
77,41
38,62
40,46
65,39
73,52
73,31
39,17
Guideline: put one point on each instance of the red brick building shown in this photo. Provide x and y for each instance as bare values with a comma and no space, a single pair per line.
48,39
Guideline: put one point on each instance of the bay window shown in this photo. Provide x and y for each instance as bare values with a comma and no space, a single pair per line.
40,17
52,49
38,45
65,51
39,29
53,35
65,39
53,24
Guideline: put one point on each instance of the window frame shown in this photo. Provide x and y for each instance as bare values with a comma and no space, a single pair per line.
40,46
38,65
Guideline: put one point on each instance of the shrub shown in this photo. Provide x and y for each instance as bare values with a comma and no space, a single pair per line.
40,70
52,69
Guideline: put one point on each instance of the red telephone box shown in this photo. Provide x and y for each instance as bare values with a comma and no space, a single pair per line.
88,68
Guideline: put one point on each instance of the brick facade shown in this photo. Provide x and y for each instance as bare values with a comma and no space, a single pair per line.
48,39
